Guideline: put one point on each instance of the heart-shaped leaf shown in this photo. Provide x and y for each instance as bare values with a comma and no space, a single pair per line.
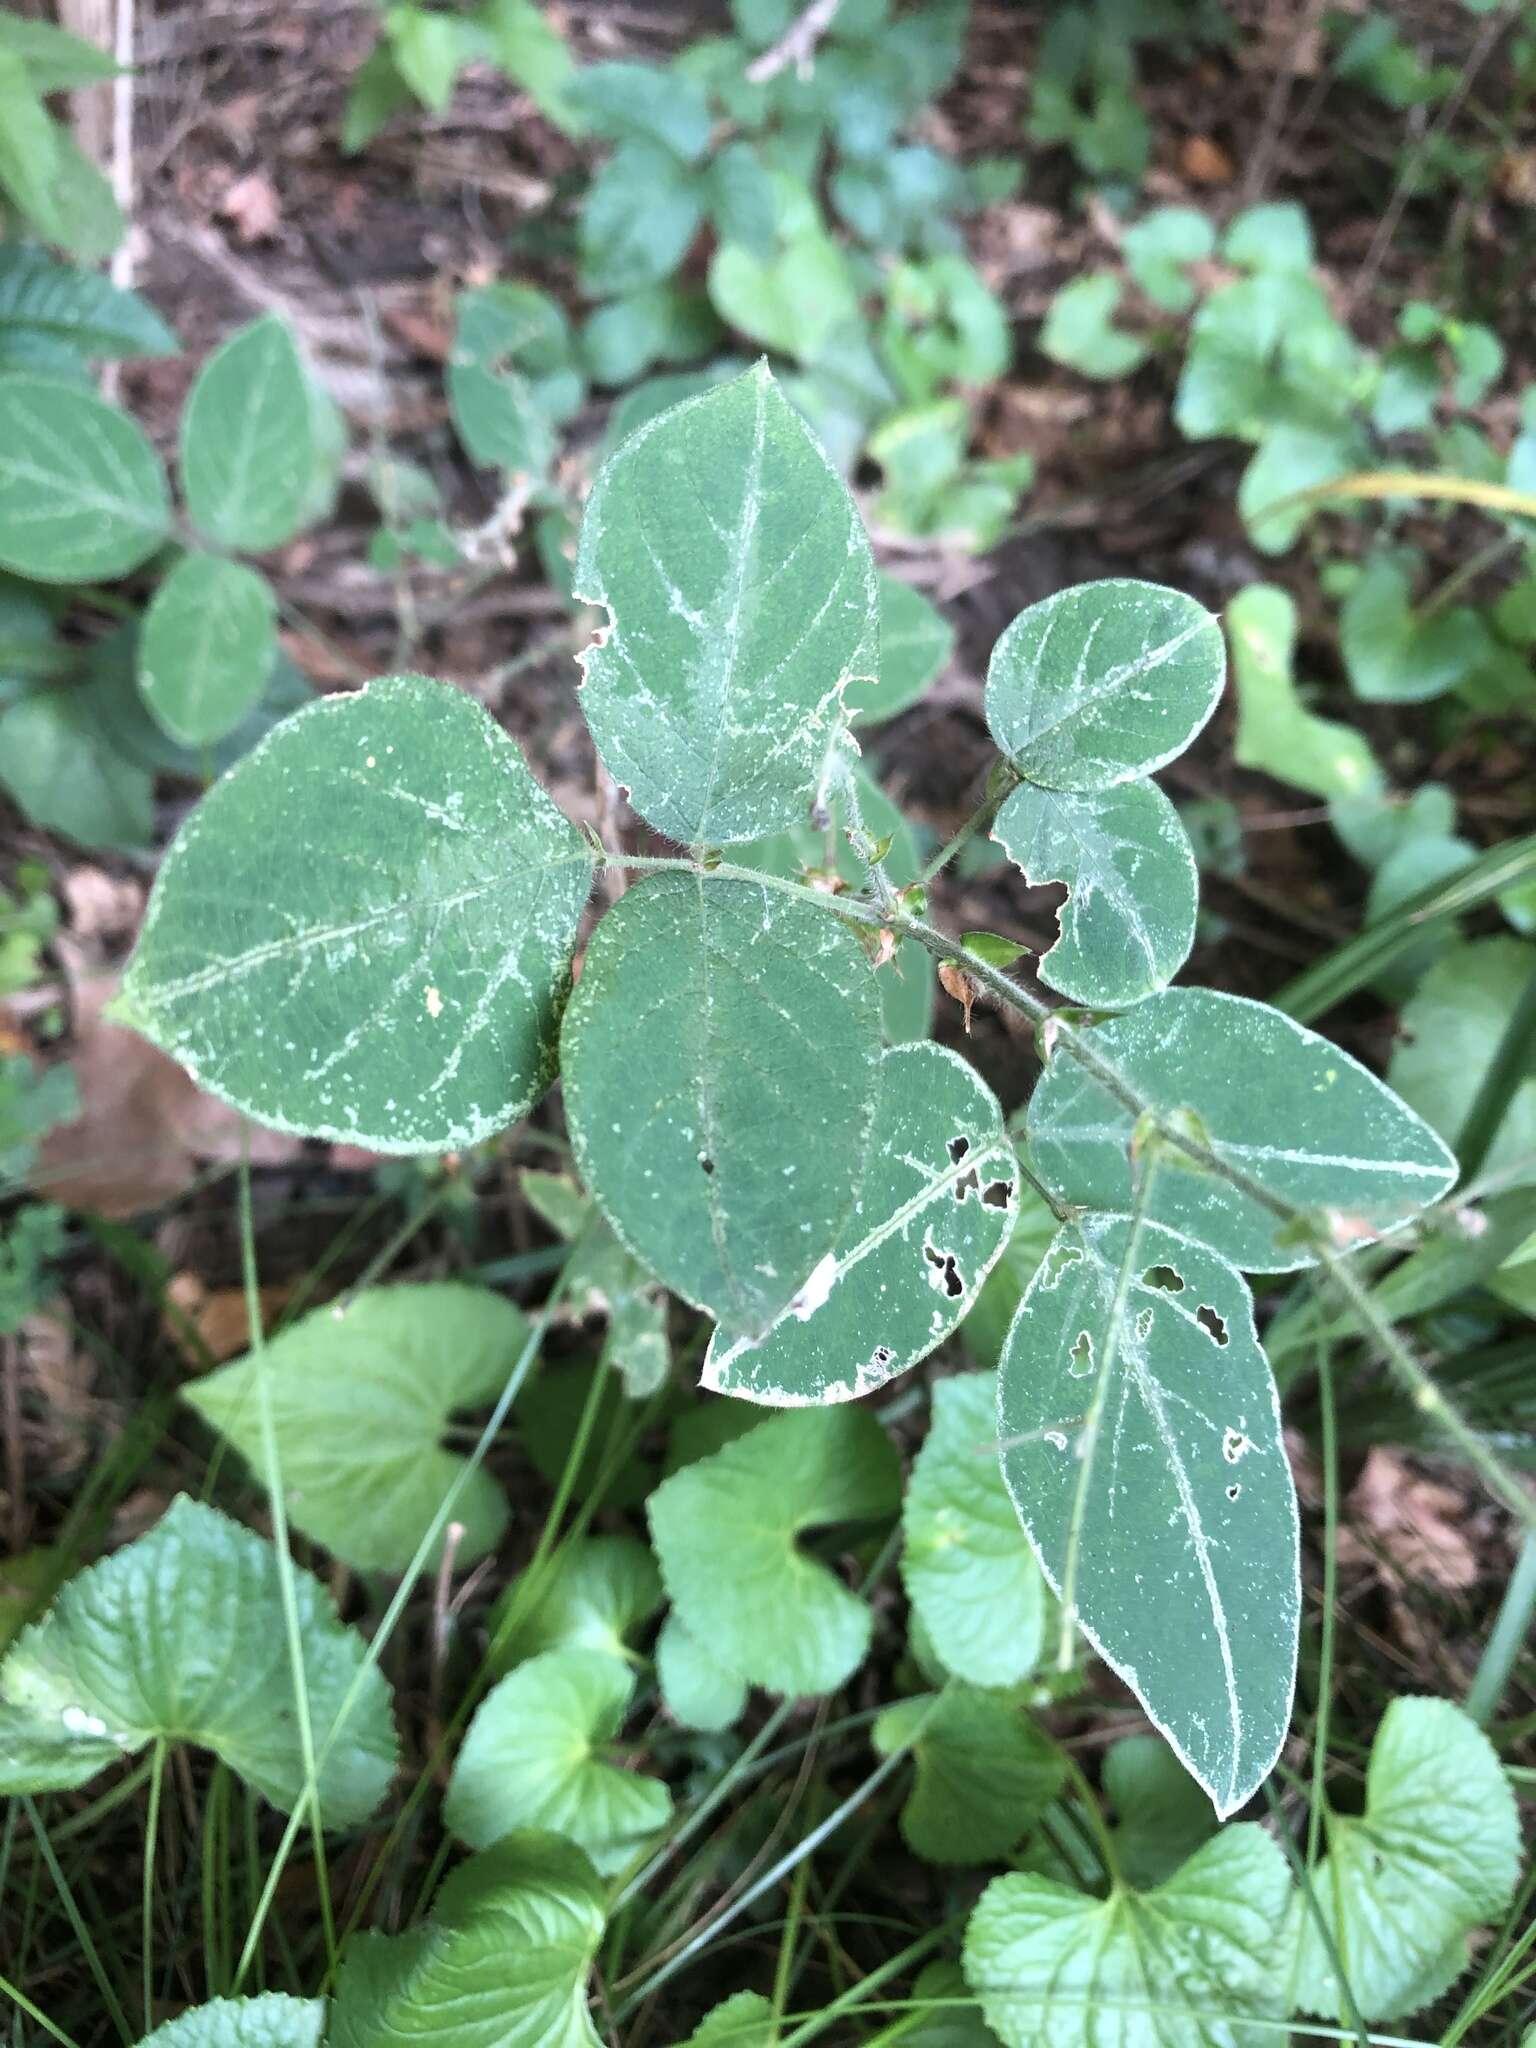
1393,655
984,1773
597,1592
510,379
247,439
1161,1814
82,493
207,647
272,2021
698,1690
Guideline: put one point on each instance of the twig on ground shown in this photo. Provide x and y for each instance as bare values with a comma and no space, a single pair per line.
797,45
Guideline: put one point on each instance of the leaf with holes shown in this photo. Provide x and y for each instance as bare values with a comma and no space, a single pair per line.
207,648
595,1594
247,439
984,1773
1274,1100
720,1060
1128,923
1141,1443
935,1209
364,930
1103,683
82,493
271,2021
742,601
769,1612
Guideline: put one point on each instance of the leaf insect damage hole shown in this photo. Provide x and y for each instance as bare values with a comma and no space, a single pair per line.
1213,1324
1234,1445
1164,1277
1080,1361
946,1273
997,1194
706,1162
1233,1490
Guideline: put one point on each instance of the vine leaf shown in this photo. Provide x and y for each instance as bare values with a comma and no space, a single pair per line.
360,1397
935,1209
699,1691
742,600
1141,1443
273,2020
1273,1099
181,1635
82,493
1128,923
247,440
984,1773
597,1591
730,1158
405,999
209,640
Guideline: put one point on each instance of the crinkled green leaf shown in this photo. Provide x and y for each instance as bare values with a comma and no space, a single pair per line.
1448,1033
82,493
207,647
1275,732
247,439
984,1773
698,1690
916,641
725,1528
598,1591
404,997
271,2021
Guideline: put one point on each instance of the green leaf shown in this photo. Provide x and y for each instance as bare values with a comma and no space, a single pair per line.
207,647
32,1102
793,302
725,1528
641,212
534,55
1103,683
742,599
510,380
1273,1099
1161,1814
1079,329
428,48
935,1208
418,989
55,60
1448,1033
1160,248
969,1572
595,1594
627,102
698,1690
181,1635
271,2021
534,1757
736,1165
1291,459
1276,734
985,1329
743,201
1128,923
1435,1854
82,493
501,1963
47,301
1275,237
744,2020
29,147
1394,657
59,764
985,1773
1185,1964
1141,1443
377,93
360,1398
247,439
916,641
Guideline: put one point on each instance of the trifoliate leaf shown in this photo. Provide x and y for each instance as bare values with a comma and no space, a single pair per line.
1273,1099
698,1690
82,493
181,1635
1103,683
742,600
734,1165
207,648
916,640
969,1572
360,1398
1435,1854
406,1001
745,2020
935,1209
247,439
596,1593
1448,1033
1141,1443
535,1757
1275,732
271,2021
725,1528
985,1773
1161,1814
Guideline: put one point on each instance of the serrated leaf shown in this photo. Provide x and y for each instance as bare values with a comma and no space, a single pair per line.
1449,1032
1128,923
51,301
969,1572
510,380
724,1529
271,2021
916,641
1188,1963
1275,732
1103,683
744,2020
984,1773
1435,1854
742,600
736,1165
534,1757
207,647
935,1208
1275,1100
59,764
247,439
360,1398
698,1690
1141,1443
181,1635
598,1591
406,1001
82,493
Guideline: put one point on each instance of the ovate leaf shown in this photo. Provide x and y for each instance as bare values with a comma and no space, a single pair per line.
510,380
596,1593
1276,733
1141,1443
1394,656
1273,1099
698,1690
725,1528
247,439
916,641
730,1161
742,599
360,1399
935,1209
207,648
181,1635
642,210
82,493
405,999
984,1773
271,2021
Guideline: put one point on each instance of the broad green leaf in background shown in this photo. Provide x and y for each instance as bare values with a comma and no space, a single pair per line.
1435,1854
606,1280
271,2021
405,999
510,377
29,147
969,1572
1161,1814
935,1209
428,48
985,1329
207,647
1290,460
535,1757
45,304
744,2020
951,2017
1284,1105
82,493
698,1690
742,199
1275,732
56,61
181,1636
32,1101
595,1594
502,1961
1141,1443
247,439
360,1397
794,302
1080,330
62,770
1187,1963
725,1528
742,599
916,641
1159,249
1103,682
1128,923
1448,1033
729,1159
626,102
1395,656
642,210
984,1773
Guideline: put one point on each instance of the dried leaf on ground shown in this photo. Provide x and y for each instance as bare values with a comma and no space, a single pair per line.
1409,1524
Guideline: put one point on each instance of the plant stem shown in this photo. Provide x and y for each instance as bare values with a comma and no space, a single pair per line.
147,1911
978,821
